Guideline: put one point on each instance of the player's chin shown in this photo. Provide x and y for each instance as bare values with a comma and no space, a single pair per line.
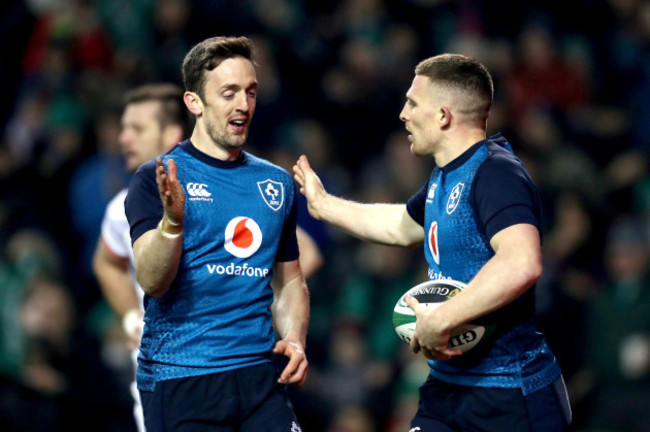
415,150
132,164
237,140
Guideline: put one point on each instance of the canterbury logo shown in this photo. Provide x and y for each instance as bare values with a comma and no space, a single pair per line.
198,190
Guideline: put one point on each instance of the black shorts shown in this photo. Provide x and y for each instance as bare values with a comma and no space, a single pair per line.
445,407
245,400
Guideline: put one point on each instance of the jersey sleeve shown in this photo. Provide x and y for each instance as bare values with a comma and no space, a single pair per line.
288,247
415,204
142,205
504,195
113,226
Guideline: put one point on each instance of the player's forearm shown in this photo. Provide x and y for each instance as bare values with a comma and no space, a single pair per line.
378,223
311,259
501,281
114,280
157,255
291,311
117,288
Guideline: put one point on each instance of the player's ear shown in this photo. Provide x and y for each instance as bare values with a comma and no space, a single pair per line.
444,117
193,102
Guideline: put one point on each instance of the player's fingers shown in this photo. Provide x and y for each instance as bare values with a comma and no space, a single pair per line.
411,301
298,374
173,185
301,374
161,177
415,345
296,358
428,353
291,368
299,178
171,168
449,353
303,162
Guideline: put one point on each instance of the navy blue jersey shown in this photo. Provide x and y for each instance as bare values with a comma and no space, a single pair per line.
239,220
461,207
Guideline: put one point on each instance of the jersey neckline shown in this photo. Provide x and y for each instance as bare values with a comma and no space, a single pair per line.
218,163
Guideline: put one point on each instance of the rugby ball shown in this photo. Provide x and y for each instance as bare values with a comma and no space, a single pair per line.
432,294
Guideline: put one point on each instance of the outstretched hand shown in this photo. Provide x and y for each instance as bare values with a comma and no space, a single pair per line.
171,191
296,370
428,338
310,185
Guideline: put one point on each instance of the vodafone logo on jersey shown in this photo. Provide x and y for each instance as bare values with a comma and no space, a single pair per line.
243,237
432,241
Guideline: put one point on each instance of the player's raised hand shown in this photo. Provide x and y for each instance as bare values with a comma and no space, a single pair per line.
310,185
171,191
296,370
429,337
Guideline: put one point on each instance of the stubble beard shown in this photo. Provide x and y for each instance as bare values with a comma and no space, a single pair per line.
223,140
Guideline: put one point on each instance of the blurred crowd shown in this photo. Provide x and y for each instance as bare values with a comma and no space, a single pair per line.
572,85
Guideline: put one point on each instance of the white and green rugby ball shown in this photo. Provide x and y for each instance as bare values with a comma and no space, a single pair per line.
432,294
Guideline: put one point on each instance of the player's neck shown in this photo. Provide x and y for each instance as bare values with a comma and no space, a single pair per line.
458,144
204,143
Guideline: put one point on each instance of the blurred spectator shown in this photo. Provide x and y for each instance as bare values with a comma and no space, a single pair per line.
542,76
170,22
413,370
50,375
561,165
395,170
350,378
95,181
567,283
382,274
615,384
29,254
352,419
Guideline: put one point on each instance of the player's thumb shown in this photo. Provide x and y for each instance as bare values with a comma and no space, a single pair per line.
279,347
411,301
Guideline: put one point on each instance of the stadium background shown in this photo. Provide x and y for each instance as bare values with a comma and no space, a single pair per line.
572,85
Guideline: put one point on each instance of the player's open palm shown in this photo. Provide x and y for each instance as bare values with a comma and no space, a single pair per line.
429,337
296,370
171,191
310,185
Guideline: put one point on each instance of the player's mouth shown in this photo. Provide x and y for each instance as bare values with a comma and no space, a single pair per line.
238,126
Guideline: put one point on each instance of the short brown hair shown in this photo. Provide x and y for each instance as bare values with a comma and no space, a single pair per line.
207,55
461,73
172,108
